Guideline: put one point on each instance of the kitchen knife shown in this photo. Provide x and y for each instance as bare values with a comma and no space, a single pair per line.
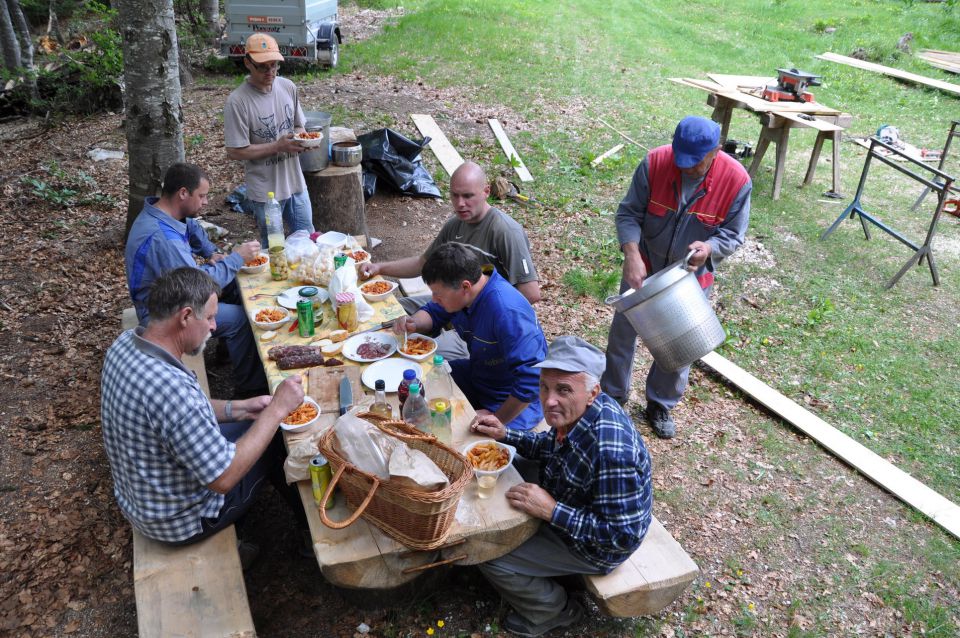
346,395
385,324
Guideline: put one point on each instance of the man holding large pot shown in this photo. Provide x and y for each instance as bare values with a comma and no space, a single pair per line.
685,196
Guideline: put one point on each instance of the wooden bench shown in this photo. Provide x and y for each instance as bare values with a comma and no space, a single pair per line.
652,578
191,591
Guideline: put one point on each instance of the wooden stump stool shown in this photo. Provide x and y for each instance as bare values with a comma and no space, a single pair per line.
336,195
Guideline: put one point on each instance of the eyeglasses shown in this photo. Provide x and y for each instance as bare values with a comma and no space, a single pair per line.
264,68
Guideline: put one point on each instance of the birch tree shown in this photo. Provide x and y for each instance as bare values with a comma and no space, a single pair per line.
8,39
210,10
154,119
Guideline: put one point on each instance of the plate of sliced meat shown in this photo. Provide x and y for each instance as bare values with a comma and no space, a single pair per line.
370,347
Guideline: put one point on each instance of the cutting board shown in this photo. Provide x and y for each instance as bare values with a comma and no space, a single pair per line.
324,386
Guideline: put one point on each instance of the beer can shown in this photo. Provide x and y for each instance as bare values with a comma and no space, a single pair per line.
305,318
340,259
320,477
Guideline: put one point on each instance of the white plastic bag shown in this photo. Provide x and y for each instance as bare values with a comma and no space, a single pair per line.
344,279
358,445
300,248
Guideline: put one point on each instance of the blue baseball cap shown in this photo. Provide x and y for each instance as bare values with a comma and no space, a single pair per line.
573,354
694,138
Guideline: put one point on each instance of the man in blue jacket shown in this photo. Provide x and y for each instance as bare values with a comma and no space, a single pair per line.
499,327
166,236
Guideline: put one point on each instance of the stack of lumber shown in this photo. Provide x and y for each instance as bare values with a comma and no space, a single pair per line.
946,60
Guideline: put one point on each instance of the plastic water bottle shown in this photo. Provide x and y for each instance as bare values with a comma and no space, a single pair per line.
274,219
415,411
403,390
440,399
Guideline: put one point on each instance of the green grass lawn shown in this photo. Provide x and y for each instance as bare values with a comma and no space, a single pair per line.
881,365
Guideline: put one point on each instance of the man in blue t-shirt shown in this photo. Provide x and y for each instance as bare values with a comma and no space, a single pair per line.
499,327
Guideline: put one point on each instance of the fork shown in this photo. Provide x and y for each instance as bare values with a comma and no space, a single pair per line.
261,295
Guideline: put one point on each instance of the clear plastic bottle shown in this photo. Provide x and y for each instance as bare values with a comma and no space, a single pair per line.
440,399
415,411
274,220
403,390
380,406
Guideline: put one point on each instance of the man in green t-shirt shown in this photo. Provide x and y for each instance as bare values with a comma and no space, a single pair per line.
476,223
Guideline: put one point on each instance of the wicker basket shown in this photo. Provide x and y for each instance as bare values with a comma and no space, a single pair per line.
416,518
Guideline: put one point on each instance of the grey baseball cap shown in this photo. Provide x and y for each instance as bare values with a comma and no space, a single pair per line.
573,354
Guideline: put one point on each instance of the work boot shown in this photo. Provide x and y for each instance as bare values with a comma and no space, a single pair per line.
660,420
517,624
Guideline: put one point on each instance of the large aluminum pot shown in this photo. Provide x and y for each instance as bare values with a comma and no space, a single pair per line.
671,316
316,159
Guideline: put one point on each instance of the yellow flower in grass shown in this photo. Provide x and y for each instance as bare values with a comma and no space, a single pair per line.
707,585
430,631
440,623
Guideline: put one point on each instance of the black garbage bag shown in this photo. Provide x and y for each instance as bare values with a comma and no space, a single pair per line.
393,160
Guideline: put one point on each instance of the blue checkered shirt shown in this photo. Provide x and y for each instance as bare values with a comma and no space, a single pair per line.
162,440
600,477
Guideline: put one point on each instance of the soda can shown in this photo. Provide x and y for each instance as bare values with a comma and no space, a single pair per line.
340,259
305,317
320,477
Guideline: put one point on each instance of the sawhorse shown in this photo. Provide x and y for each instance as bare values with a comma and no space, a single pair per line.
941,183
952,133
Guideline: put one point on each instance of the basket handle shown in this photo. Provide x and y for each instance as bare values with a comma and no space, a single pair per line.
385,425
356,514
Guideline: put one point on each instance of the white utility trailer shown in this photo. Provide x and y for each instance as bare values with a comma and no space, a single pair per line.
306,30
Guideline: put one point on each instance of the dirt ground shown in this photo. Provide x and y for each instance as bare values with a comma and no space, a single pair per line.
65,549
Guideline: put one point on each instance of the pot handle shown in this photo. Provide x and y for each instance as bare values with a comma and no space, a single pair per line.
612,299
686,260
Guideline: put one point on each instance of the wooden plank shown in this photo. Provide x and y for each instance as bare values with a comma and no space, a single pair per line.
819,125
447,155
890,71
739,82
509,151
908,489
652,578
755,103
606,154
325,386
191,591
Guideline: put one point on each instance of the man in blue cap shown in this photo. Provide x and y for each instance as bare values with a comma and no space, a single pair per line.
685,196
593,491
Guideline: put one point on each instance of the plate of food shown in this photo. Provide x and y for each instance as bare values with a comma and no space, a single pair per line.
303,417
378,290
369,347
269,318
289,297
358,255
257,264
309,139
391,371
489,457
418,347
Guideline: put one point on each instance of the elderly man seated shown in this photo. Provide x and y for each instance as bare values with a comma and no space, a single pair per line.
499,327
184,467
594,490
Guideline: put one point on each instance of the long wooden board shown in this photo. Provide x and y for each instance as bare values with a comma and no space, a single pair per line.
754,103
819,125
196,590
509,151
741,81
895,73
888,476
447,155
946,60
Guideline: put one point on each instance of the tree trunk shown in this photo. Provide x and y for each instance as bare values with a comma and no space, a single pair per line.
336,195
26,43
210,9
154,120
8,38
53,24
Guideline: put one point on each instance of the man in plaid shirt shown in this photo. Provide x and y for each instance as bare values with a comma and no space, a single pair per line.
594,490
184,466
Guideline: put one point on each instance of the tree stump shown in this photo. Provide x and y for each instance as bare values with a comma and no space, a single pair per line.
336,194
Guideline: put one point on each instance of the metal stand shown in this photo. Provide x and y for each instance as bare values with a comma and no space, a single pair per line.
941,186
953,132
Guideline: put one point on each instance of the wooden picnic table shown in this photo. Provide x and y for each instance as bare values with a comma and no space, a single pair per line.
361,556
